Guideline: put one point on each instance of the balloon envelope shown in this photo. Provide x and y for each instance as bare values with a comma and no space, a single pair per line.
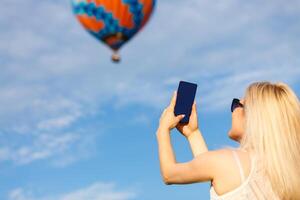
113,22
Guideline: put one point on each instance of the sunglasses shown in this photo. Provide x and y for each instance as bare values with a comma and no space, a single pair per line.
235,104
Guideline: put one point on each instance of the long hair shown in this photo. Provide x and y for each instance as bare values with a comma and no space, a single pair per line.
272,131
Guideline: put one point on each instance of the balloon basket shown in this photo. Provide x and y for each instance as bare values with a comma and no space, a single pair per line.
115,57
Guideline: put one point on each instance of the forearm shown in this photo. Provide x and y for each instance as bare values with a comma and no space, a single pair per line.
197,143
166,154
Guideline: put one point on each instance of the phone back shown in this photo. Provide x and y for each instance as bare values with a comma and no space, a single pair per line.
185,98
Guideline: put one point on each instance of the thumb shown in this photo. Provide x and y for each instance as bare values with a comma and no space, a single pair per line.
179,117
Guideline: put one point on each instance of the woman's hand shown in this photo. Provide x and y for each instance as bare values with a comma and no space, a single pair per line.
168,120
191,127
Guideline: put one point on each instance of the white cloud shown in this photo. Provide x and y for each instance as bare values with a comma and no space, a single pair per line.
96,191
57,122
53,73
43,146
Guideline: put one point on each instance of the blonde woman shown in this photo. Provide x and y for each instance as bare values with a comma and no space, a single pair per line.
266,165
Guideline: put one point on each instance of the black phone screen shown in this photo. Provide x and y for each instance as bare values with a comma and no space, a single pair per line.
185,98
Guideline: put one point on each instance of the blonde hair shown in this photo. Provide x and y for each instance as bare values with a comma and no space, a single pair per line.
272,131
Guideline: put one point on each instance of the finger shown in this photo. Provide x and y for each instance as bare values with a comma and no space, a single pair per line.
194,107
194,112
179,117
173,100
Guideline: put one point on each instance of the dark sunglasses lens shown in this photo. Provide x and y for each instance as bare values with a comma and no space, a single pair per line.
234,107
235,104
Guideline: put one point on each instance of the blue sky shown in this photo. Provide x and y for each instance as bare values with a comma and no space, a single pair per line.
75,126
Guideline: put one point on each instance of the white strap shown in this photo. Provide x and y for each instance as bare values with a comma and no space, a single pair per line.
239,165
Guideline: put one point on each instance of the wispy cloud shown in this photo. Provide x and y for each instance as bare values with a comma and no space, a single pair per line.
96,191
57,148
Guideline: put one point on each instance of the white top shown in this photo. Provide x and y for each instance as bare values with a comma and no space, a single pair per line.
255,187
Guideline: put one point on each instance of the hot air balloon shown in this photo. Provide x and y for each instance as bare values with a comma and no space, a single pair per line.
113,22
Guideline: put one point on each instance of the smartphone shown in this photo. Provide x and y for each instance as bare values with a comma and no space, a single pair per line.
185,98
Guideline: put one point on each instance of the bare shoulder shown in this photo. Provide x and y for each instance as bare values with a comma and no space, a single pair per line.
219,156
225,156
214,161
227,176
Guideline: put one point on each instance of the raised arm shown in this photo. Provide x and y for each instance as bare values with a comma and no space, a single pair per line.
201,168
204,167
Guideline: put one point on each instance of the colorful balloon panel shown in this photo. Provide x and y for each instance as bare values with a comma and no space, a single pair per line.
113,22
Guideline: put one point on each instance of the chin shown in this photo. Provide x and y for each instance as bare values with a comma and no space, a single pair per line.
232,135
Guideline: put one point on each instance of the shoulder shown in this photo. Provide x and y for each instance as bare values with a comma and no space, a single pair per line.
217,156
205,166
215,161
227,175
225,161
